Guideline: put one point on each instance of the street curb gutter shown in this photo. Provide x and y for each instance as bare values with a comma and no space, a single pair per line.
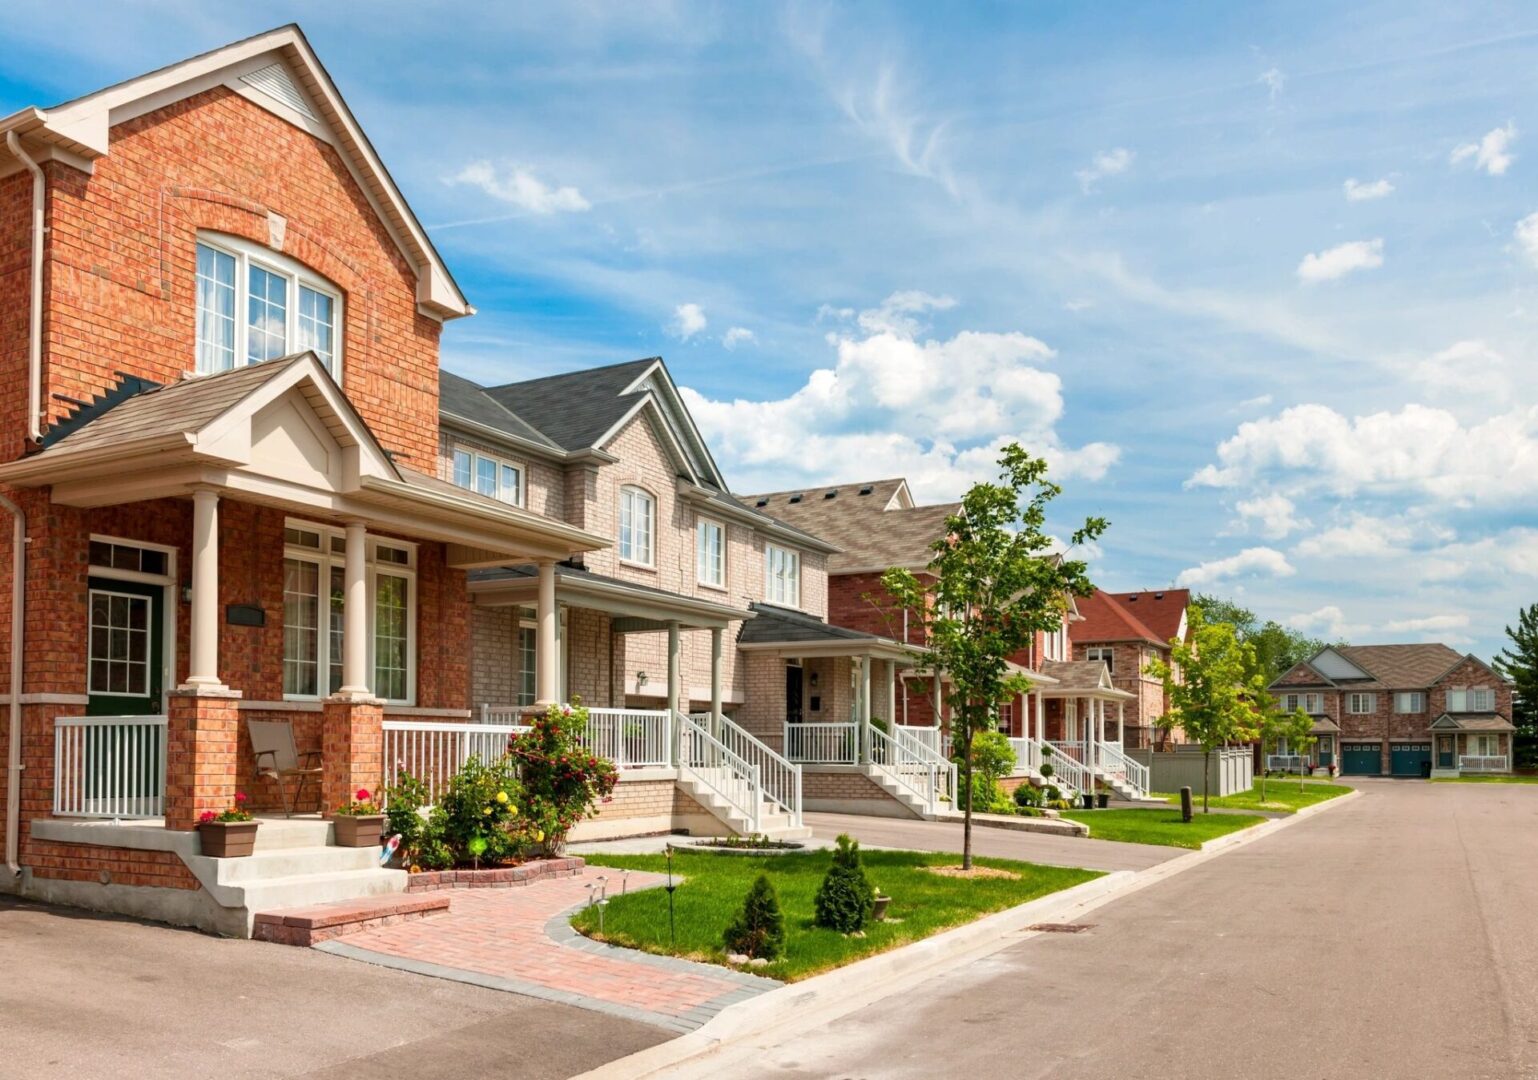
840,992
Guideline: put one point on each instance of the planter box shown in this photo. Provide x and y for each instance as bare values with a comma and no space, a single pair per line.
362,830
228,839
501,877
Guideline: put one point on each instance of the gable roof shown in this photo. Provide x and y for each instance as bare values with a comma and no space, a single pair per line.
461,398
1382,667
576,409
1162,611
279,71
874,523
1103,618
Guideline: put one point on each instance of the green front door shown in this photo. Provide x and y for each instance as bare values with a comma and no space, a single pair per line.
1446,758
1410,759
1326,751
126,642
1360,759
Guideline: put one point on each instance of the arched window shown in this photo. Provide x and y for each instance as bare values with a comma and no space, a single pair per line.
637,526
254,304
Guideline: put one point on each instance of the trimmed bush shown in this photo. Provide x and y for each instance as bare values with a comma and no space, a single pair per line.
1026,795
758,930
845,898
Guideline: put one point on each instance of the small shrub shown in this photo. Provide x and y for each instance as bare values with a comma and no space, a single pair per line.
992,758
562,781
1027,811
758,930
845,897
478,817
1026,795
406,813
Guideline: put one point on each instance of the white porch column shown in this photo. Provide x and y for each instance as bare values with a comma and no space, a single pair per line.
1100,720
865,739
891,693
355,615
203,655
673,665
715,675
545,645
934,694
1041,717
1121,723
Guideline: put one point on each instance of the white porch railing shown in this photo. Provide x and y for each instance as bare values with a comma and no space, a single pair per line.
920,775
1027,756
780,777
1069,774
823,744
434,752
931,737
1285,762
1483,763
631,738
945,768
109,766
1112,763
708,760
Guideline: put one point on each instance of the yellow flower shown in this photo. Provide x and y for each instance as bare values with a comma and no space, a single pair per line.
502,797
486,811
512,808
539,836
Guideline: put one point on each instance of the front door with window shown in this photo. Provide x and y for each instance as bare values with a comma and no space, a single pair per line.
793,712
1326,751
126,643
1446,758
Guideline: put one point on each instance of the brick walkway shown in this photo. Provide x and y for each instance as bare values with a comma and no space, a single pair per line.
520,940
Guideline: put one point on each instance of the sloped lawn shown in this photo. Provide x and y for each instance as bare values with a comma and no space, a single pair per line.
1282,797
1162,827
713,886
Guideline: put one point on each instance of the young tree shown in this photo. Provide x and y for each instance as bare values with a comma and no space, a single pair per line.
1213,700
1273,725
994,584
1519,663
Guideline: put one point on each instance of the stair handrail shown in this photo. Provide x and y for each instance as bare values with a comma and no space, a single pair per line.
700,753
921,778
1113,761
780,776
945,768
1069,774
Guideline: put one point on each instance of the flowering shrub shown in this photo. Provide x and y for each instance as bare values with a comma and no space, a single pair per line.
362,805
562,781
476,820
238,812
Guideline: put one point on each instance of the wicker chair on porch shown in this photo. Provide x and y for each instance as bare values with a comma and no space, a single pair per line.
272,742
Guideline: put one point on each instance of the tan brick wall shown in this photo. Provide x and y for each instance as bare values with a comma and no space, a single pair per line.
495,662
839,785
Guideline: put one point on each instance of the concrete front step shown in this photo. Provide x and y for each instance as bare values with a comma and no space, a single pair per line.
322,922
290,862
302,890
277,833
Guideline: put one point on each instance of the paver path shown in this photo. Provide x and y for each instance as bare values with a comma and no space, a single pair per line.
520,940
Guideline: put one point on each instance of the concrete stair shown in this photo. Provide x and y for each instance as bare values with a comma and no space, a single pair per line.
719,792
899,791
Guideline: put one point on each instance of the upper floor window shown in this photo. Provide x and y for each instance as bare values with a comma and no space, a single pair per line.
710,553
1054,645
254,304
1466,699
1360,704
637,526
1309,703
1412,701
1102,652
782,576
489,476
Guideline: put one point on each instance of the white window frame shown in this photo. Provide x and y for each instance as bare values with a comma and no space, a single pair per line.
1457,699
630,496
1473,748
500,466
702,527
1309,703
247,255
528,659
1415,704
331,555
782,576
1104,653
1366,697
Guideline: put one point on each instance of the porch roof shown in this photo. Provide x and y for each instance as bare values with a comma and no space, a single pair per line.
644,607
1082,678
1323,725
795,633
1472,722
279,433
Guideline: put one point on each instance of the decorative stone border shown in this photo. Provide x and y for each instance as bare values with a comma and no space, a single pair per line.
321,922
780,847
500,877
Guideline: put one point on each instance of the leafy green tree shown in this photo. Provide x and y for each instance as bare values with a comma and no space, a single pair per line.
1213,699
1519,663
1273,725
994,584
993,758
758,929
845,898
1277,648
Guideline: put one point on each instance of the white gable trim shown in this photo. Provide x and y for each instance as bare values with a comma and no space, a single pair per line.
657,383
1335,666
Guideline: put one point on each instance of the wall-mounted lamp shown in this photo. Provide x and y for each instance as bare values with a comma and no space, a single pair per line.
814,680
641,679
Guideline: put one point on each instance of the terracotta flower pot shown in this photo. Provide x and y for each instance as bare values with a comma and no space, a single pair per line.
361,830
228,839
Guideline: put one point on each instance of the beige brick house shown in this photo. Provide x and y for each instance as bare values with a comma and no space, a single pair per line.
1401,710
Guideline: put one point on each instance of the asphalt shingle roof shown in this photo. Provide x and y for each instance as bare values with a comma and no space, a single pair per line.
1402,667
1105,618
776,624
1075,674
460,397
578,408
1160,610
855,519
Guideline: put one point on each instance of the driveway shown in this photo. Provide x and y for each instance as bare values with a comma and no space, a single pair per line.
1389,936
86,996
1044,848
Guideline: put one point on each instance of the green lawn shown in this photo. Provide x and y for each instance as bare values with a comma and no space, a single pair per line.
1485,780
713,887
1282,796
1160,826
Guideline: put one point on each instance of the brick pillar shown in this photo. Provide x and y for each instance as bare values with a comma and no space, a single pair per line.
352,750
202,752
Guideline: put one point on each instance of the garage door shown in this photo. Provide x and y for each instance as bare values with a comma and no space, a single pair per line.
1409,759
1361,759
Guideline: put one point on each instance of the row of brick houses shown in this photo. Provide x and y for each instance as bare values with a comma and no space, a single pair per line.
244,497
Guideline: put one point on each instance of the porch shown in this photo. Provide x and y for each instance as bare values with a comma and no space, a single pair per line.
1471,744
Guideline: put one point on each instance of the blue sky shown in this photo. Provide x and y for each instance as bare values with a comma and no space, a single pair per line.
1258,279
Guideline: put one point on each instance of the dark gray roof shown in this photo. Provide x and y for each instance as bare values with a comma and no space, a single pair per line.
770,522
578,408
460,397
777,624
577,573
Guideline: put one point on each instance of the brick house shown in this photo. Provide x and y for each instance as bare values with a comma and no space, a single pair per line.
1127,631
1401,710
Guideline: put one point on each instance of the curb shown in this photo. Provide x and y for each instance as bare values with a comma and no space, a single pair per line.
847,989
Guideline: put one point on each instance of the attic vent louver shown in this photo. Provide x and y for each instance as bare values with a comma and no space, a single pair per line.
866,490
1158,596
762,502
795,498
273,80
830,494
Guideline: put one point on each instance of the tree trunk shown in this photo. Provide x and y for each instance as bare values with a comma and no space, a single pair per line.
1206,778
1264,771
966,822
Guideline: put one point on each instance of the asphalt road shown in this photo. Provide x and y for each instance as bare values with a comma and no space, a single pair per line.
85,996
1388,937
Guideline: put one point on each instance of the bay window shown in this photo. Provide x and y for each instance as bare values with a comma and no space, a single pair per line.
782,573
488,475
637,526
710,553
314,559
254,304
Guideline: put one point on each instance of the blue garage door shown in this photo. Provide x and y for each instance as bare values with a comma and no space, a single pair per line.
1409,759
1361,759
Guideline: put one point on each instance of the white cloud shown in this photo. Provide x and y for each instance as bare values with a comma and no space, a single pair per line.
1494,558
1273,515
1363,190
1106,163
1526,233
521,188
1341,260
1428,623
1260,401
1492,153
1466,367
1367,536
1274,79
1418,450
1328,621
738,335
898,403
688,320
1249,562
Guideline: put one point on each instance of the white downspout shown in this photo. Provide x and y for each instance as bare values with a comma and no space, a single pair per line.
35,319
13,743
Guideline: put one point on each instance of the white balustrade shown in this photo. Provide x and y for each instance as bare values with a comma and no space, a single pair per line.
433,752
1068,773
1110,762
1293,763
631,738
1482,763
109,766
1027,756
709,761
931,737
781,777
823,744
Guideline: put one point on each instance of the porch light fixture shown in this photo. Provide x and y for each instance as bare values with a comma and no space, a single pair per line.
813,680
641,679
